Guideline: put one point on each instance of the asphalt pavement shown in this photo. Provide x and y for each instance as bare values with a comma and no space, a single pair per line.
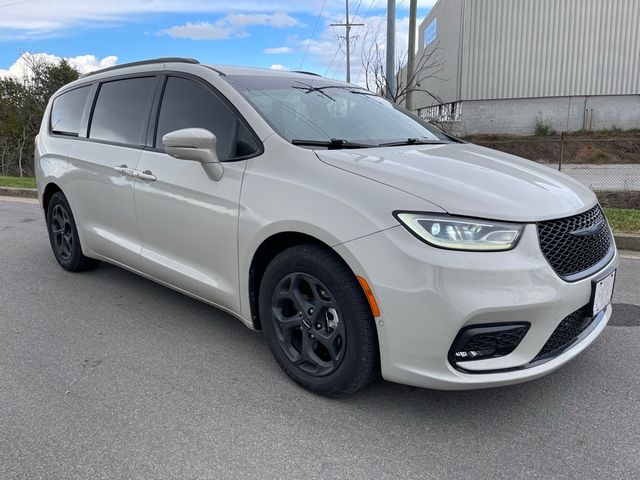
107,375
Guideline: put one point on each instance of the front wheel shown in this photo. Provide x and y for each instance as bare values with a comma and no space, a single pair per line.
63,235
317,321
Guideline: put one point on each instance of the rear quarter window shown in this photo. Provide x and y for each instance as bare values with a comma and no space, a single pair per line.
66,111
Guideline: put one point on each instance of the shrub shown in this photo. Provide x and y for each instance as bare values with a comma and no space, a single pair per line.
544,128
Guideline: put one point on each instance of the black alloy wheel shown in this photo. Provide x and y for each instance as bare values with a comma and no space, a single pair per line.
62,232
63,235
308,324
317,321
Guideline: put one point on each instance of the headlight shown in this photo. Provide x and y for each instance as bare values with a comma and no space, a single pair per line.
459,233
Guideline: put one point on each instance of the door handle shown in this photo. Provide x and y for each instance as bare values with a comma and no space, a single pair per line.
147,175
123,169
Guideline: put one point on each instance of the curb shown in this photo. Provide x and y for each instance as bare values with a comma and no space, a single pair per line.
19,192
628,241
624,241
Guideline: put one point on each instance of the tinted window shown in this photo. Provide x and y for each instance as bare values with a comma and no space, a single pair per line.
188,104
66,111
121,110
246,144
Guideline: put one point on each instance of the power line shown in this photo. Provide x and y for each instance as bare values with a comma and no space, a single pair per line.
371,7
339,49
334,57
348,24
312,34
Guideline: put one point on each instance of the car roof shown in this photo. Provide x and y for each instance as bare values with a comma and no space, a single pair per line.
221,69
169,63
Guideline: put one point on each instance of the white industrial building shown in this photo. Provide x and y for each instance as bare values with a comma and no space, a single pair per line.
507,64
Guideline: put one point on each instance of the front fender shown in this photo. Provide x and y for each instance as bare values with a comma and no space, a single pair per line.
288,189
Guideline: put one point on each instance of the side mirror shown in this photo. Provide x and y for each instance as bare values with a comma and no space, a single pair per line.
195,144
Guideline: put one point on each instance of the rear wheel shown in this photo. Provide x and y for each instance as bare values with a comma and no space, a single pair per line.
317,322
63,235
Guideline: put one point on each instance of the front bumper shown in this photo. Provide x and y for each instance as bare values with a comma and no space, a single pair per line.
427,295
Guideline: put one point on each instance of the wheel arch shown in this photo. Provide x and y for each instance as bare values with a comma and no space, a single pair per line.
47,193
267,251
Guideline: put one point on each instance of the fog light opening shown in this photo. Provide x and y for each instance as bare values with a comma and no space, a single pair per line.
482,342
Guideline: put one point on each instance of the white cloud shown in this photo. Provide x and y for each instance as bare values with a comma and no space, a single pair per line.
278,50
277,66
204,31
83,63
231,26
89,63
22,20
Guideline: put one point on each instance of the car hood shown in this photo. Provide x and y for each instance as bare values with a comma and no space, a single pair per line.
465,179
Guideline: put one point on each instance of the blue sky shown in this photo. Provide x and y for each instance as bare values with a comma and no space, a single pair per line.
270,34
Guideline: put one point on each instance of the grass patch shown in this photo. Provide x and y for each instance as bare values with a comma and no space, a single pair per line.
624,220
544,129
20,182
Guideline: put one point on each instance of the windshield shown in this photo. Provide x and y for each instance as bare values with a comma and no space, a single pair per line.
320,112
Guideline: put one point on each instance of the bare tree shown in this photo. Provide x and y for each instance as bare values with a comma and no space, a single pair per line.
427,66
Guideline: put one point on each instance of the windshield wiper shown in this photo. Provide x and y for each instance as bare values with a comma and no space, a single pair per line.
306,88
309,88
333,144
412,141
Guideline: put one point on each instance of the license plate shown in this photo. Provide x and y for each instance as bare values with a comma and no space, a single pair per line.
602,293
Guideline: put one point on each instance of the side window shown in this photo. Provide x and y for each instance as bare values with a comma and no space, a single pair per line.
246,144
66,111
188,104
121,110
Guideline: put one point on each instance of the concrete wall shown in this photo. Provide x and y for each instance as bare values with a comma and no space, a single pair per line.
519,116
447,44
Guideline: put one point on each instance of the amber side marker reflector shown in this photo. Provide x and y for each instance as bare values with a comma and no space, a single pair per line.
369,294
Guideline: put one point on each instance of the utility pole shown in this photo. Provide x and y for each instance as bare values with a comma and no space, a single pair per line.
390,73
348,26
411,56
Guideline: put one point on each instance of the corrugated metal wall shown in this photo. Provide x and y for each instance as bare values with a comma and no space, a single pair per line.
538,48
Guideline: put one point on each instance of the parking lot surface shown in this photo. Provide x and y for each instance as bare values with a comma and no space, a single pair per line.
107,375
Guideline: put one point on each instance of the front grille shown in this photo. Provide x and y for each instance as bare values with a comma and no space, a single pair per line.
566,332
569,247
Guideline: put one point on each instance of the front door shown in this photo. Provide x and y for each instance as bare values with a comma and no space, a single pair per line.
187,220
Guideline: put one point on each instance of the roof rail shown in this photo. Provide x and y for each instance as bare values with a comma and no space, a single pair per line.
143,62
307,73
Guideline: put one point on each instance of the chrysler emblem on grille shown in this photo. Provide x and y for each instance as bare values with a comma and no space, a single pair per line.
588,231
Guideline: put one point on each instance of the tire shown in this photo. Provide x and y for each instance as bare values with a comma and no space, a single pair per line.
63,235
317,321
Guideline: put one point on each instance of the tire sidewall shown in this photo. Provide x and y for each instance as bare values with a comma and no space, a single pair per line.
58,198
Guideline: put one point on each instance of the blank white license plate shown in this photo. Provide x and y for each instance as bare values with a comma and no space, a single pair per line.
603,292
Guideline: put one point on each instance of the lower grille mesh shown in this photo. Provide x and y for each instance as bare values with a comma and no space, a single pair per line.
566,332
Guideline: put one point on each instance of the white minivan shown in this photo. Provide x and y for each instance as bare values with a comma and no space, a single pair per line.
360,239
